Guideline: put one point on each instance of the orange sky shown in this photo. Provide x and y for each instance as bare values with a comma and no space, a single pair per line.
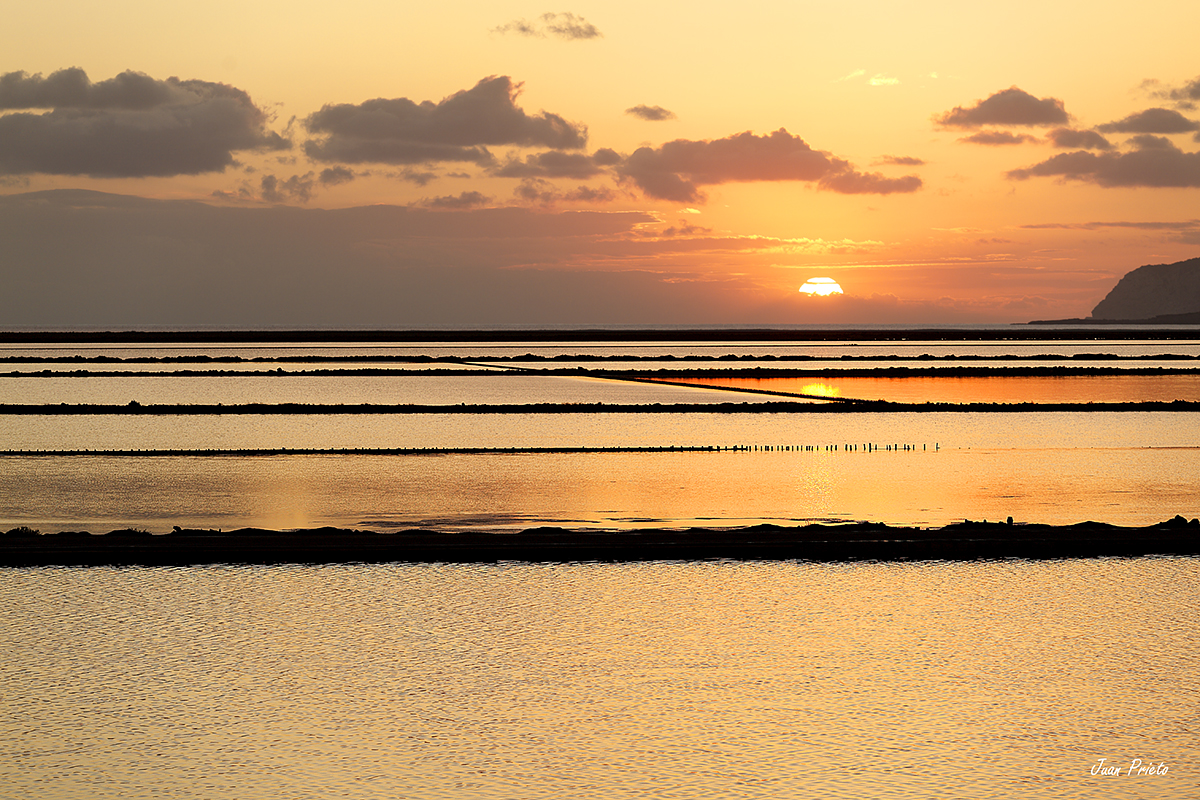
944,163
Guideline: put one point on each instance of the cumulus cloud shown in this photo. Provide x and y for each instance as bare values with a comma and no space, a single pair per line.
458,128
676,170
1156,163
297,187
564,25
1070,138
1010,106
551,164
459,201
651,113
997,138
902,161
128,126
332,176
1152,120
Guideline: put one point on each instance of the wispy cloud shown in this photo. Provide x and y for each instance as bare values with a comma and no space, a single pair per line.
564,25
651,113
996,138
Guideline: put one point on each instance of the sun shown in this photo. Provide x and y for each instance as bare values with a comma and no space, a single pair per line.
821,286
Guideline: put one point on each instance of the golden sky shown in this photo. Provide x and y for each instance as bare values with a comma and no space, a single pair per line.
483,163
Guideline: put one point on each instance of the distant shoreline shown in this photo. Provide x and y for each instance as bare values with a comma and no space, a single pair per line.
857,541
1086,330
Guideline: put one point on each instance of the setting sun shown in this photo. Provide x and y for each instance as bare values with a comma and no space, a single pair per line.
821,286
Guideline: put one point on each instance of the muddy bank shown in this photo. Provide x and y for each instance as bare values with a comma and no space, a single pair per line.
967,540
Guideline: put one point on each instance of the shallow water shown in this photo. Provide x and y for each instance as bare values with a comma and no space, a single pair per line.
981,389
577,681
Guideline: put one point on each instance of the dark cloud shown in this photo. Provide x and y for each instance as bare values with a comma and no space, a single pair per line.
1157,163
128,126
997,138
1185,231
651,113
1146,141
902,161
459,201
676,170
71,88
424,178
853,182
459,128
551,164
588,194
298,187
606,157
1185,97
332,176
684,228
1152,120
1069,138
564,25
1010,106
544,193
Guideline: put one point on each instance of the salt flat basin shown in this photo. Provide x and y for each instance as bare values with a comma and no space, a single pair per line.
997,388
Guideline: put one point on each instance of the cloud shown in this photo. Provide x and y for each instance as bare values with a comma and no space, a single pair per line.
460,201
422,178
852,182
1152,120
71,88
128,126
1010,106
551,164
676,170
297,187
1185,232
458,128
1068,137
544,193
563,25
1157,163
883,80
997,138
902,161
651,113
1185,97
332,176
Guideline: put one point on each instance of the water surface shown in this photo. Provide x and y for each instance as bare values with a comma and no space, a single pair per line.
578,681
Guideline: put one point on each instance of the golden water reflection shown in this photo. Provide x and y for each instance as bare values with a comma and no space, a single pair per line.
712,679
990,389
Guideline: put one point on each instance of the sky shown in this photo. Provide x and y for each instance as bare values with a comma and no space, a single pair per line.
471,164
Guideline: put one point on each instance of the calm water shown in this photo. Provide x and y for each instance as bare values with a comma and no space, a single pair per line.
1006,679
576,681
990,389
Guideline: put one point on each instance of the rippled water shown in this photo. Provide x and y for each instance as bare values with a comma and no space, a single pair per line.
656,680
